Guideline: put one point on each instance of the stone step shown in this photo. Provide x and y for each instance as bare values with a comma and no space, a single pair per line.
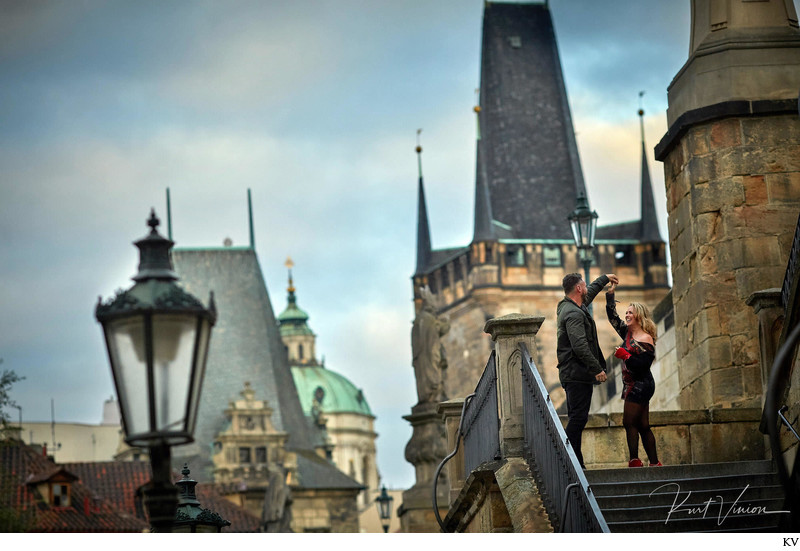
692,509
738,523
671,485
696,470
695,496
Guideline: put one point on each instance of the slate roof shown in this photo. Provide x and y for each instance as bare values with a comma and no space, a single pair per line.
623,230
313,472
21,467
527,139
245,347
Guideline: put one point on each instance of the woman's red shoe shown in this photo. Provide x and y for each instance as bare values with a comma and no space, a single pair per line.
656,464
635,462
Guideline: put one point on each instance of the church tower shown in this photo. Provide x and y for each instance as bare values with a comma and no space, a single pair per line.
527,180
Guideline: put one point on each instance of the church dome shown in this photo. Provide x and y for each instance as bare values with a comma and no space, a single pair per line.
337,394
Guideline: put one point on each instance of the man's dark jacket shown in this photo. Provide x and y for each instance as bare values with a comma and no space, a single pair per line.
578,350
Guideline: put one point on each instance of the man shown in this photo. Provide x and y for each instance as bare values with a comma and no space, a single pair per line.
581,364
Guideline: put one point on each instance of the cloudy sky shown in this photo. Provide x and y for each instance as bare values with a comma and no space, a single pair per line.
313,105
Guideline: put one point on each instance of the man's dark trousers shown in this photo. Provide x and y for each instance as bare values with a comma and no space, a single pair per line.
579,398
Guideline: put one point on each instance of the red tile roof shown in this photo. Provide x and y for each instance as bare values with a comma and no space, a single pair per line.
22,468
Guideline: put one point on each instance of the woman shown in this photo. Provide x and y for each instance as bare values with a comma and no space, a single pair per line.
637,354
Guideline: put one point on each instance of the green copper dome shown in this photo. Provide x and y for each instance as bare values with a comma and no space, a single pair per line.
338,394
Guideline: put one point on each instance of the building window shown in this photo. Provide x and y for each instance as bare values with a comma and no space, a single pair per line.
60,493
244,455
299,351
551,256
515,255
623,256
261,455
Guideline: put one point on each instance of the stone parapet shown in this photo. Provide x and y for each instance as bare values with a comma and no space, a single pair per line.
682,437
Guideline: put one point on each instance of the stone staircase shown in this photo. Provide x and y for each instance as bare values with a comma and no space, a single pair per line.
741,496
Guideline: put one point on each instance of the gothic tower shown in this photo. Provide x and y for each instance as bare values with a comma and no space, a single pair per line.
733,189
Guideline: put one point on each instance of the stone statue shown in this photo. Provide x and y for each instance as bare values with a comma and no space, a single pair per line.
428,354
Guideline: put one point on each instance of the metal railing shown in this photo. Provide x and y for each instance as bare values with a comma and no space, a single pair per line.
481,420
775,390
566,493
791,267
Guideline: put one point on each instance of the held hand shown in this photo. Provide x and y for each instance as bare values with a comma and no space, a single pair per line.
601,377
613,279
622,354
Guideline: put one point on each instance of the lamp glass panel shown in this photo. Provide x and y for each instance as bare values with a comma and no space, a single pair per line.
585,225
199,372
592,229
576,231
173,347
126,347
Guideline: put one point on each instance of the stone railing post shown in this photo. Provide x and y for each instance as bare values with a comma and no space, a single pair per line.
451,416
767,306
507,332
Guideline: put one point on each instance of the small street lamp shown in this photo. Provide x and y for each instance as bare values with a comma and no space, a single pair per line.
584,225
190,517
384,502
157,338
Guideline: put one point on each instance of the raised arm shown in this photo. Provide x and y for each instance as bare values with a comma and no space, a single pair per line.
613,318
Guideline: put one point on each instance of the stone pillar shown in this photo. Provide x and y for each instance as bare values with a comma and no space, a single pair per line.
767,306
507,332
425,451
451,417
732,173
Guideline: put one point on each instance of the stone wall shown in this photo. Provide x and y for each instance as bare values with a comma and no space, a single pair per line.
733,193
324,511
682,437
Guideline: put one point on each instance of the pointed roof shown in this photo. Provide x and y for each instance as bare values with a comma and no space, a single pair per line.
527,150
245,346
423,230
484,229
649,221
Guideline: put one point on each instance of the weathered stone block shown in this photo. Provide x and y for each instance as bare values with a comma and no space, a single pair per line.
707,227
695,394
745,350
683,246
751,381
674,162
750,280
776,130
726,442
784,188
680,278
735,317
680,217
716,352
697,142
755,189
705,324
725,133
673,445
700,170
726,386
716,194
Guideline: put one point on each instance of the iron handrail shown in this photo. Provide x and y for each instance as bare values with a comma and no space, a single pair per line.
481,420
771,409
553,459
452,454
786,421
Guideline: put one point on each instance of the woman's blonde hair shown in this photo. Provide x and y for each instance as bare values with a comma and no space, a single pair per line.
642,315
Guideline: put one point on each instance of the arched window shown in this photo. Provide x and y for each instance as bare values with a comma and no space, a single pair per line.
299,351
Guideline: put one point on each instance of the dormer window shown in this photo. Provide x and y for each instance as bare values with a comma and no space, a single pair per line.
59,494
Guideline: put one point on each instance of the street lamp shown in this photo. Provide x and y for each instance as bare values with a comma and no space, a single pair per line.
584,224
190,517
384,502
157,338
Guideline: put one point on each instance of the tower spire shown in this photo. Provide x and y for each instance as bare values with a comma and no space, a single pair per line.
290,289
649,231
483,229
423,230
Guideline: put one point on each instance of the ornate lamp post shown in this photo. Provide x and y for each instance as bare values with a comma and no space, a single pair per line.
190,517
584,224
157,337
384,502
